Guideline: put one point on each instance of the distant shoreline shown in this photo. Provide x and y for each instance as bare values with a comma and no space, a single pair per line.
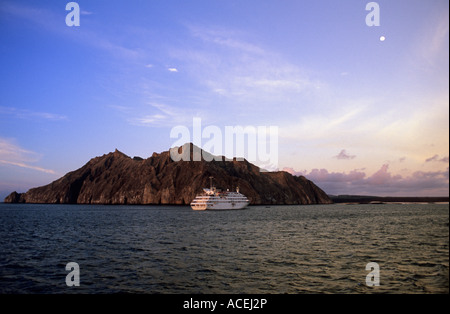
362,199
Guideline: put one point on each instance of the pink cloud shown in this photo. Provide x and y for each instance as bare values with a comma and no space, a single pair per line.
343,155
293,172
436,158
382,176
380,183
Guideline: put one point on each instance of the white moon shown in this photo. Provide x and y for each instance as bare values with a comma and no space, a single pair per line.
382,38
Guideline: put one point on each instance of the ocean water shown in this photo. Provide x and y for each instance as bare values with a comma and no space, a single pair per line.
260,250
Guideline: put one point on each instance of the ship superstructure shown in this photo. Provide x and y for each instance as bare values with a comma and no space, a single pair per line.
214,199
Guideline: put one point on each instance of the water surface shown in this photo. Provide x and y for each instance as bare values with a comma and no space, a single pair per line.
264,249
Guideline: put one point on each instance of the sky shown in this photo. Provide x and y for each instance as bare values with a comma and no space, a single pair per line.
359,109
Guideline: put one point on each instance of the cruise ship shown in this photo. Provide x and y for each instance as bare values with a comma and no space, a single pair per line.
214,199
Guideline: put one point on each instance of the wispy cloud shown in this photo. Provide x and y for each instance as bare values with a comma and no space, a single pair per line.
160,115
435,41
224,37
29,114
14,155
429,51
23,165
229,65
333,123
52,22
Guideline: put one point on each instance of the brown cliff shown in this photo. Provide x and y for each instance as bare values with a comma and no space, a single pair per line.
115,178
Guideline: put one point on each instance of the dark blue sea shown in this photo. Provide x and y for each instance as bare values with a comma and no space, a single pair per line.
260,250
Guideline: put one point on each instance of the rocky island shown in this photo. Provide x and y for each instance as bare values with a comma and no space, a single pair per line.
116,178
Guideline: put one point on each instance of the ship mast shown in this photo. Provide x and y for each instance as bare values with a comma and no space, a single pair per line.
210,183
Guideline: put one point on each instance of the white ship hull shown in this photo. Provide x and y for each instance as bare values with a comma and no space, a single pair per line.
225,201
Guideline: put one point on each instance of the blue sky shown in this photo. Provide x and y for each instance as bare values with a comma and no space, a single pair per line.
355,114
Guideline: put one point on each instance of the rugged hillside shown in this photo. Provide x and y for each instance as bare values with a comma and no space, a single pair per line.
115,178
